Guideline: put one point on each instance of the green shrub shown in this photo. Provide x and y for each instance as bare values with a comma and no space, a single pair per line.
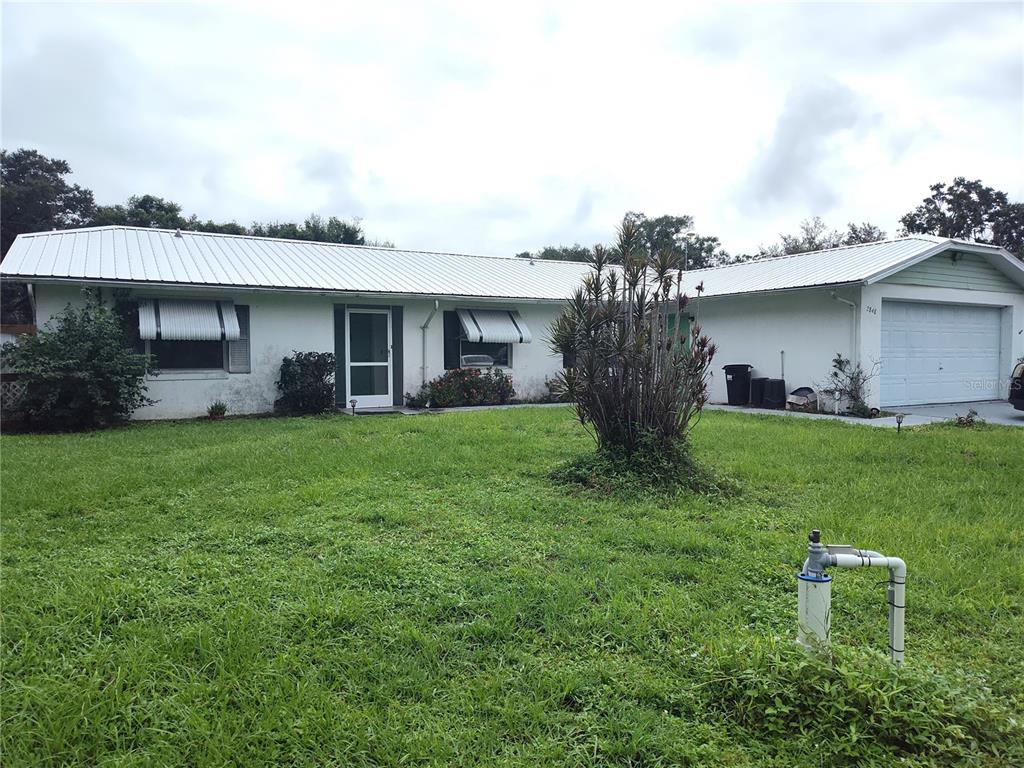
306,384
856,708
462,387
637,379
79,370
217,409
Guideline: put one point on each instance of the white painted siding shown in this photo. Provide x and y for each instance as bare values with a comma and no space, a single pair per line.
809,326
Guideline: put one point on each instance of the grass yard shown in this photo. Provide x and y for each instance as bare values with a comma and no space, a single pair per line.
414,590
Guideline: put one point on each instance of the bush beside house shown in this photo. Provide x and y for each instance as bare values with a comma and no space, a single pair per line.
464,387
306,384
78,372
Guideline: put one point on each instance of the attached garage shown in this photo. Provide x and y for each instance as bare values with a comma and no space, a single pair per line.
939,353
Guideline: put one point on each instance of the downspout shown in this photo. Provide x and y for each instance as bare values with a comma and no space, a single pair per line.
854,340
854,351
423,350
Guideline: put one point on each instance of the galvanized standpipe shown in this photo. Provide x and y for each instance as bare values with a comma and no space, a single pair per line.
814,596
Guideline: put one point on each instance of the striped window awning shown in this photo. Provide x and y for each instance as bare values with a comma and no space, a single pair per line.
500,326
188,320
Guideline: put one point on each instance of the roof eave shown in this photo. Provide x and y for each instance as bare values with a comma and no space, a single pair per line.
219,288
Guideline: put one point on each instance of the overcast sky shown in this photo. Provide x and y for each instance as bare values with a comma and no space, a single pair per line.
462,127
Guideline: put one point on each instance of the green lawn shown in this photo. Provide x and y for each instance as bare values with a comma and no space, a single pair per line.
388,590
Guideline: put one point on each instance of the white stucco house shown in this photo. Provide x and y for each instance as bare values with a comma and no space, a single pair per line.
943,319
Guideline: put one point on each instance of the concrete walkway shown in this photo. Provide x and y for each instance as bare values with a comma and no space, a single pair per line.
991,411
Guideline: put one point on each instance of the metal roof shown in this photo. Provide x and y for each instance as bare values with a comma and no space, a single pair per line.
168,257
864,263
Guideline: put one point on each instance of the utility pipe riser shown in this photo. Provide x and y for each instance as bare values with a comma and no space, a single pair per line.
896,596
814,610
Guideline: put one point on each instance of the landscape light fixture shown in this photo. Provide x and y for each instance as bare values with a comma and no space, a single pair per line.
353,402
899,421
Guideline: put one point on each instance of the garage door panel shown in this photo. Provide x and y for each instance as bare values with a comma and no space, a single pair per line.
935,353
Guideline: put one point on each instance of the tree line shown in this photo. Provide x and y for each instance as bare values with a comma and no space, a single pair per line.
963,210
36,196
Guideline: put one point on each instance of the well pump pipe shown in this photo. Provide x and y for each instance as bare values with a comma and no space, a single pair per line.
896,591
815,596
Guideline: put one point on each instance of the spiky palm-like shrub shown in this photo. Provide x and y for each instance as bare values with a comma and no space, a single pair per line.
637,371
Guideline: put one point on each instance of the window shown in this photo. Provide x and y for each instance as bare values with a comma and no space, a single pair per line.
193,335
457,347
500,354
187,355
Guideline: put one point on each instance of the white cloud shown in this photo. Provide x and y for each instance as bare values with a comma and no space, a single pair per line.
477,128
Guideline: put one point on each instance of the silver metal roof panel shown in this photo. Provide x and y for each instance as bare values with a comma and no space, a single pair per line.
168,257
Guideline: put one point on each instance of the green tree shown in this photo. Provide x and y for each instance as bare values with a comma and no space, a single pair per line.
660,233
574,252
866,232
816,235
194,224
141,211
672,234
35,196
80,370
965,210
1008,229
703,251
314,228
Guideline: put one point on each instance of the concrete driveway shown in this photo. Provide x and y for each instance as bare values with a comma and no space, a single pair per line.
992,411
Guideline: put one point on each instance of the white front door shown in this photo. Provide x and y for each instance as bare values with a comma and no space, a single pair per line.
368,357
939,353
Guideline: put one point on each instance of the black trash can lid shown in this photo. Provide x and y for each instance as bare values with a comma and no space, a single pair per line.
736,366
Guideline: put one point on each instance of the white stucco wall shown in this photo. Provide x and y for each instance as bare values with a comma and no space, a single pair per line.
282,322
531,363
1012,304
279,323
809,326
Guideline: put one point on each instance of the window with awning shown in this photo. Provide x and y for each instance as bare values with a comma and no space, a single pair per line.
188,320
493,326
482,338
195,335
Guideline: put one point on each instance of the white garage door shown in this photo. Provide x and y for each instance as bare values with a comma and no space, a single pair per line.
939,353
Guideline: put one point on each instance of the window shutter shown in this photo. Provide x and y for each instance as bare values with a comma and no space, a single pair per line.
452,331
238,351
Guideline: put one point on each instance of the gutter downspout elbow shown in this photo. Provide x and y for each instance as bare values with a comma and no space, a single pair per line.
423,340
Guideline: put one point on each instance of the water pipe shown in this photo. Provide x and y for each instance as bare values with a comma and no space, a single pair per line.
814,595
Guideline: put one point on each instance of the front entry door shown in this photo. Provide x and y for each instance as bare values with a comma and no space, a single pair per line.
368,357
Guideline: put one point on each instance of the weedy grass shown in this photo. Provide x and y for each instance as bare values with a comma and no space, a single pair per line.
417,590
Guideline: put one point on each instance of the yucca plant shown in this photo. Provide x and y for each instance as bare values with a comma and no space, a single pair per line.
636,371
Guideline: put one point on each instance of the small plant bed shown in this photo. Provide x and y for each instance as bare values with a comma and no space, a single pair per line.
464,387
217,410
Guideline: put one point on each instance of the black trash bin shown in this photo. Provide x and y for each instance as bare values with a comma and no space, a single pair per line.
757,391
737,383
775,393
